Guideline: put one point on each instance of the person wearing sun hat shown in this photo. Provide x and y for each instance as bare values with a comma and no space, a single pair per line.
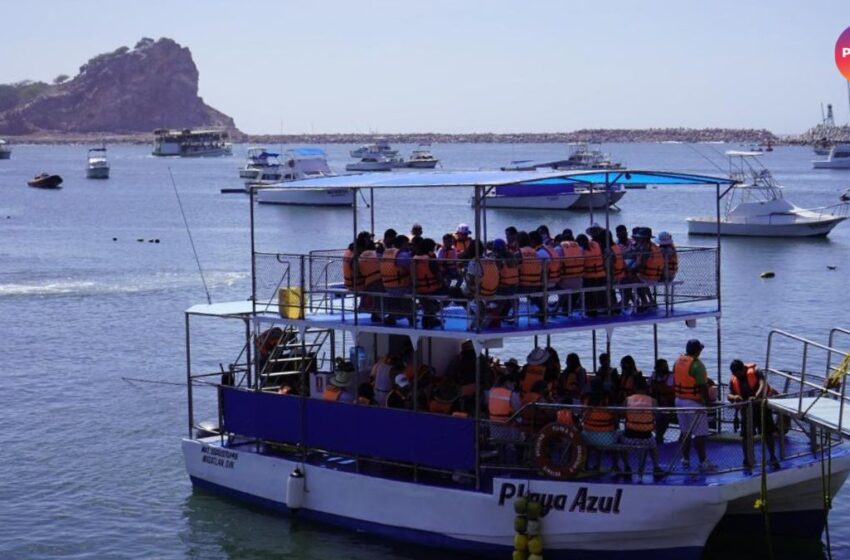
671,257
462,239
339,387
534,369
399,397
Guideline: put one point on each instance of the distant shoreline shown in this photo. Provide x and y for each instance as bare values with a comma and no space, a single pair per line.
606,136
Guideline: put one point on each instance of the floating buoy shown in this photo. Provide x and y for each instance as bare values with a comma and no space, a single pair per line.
140,240
831,266
767,274
295,490
156,240
114,239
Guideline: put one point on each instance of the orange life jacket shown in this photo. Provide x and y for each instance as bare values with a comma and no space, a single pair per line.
618,267
533,418
654,266
532,375
752,380
499,404
554,265
449,260
594,266
572,265
489,282
331,393
391,275
640,420
369,267
427,281
348,272
363,400
439,407
685,385
508,274
599,420
671,263
530,268
565,416
461,245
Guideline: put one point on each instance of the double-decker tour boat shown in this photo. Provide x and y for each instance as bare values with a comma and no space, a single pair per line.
307,422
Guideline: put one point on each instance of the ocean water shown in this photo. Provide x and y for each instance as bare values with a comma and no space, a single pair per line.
93,403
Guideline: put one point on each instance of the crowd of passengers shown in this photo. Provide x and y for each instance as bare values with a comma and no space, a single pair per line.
523,262
506,389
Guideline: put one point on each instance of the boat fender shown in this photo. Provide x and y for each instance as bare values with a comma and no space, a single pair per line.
535,546
535,557
563,434
767,274
520,523
520,542
519,555
295,489
534,510
532,528
520,505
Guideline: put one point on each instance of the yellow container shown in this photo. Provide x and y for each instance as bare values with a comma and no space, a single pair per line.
289,303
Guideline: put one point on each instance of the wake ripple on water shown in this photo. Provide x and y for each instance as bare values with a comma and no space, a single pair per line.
127,285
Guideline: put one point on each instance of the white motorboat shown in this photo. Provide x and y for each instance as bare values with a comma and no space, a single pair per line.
838,158
302,163
592,198
5,150
98,166
422,158
756,207
261,166
555,194
373,163
581,157
379,148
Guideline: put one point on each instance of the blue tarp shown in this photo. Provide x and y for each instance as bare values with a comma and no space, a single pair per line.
430,440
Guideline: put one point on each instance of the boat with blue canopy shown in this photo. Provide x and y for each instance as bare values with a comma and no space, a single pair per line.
444,470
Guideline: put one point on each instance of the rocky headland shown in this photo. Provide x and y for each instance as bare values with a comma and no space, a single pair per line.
124,92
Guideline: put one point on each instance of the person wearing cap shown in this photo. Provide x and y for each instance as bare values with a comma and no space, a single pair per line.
462,240
339,387
534,369
399,397
690,383
748,387
670,256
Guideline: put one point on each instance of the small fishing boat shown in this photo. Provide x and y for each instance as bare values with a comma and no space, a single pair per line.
838,158
5,150
422,158
756,207
45,181
97,166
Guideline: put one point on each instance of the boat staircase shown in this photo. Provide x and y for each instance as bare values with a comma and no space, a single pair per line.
295,353
815,390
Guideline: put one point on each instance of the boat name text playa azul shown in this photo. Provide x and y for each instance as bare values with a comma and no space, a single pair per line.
584,502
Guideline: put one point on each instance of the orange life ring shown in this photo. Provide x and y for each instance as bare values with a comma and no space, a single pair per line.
559,433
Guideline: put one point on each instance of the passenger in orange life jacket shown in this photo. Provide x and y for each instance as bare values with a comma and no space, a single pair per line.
429,283
387,241
629,374
399,397
648,265
748,385
572,271
383,373
534,418
415,234
599,426
593,273
531,270
339,387
449,265
641,423
573,380
534,369
670,256
543,230
691,386
369,275
462,238
503,401
508,265
396,265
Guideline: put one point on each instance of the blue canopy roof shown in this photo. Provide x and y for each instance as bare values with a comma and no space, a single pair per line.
500,178
307,152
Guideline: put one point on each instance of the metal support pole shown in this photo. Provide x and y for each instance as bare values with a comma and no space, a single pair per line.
477,418
749,453
655,342
354,266
372,210
250,364
593,346
253,252
717,284
190,407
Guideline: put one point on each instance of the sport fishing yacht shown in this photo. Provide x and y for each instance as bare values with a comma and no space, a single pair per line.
298,164
581,157
838,158
422,158
261,166
756,207
295,434
97,166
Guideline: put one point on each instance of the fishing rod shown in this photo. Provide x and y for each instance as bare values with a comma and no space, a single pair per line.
189,232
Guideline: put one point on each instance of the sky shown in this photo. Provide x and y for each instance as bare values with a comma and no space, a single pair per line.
458,66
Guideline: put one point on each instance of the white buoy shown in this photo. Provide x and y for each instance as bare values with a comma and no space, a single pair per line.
295,490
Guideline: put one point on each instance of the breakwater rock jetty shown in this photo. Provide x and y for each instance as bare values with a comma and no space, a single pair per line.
153,85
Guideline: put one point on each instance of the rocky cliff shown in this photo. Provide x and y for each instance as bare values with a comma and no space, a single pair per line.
154,85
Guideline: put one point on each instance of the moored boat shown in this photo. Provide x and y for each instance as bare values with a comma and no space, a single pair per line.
46,181
381,147
756,207
299,164
97,166
192,143
261,166
288,441
5,150
373,163
837,158
557,194
422,158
